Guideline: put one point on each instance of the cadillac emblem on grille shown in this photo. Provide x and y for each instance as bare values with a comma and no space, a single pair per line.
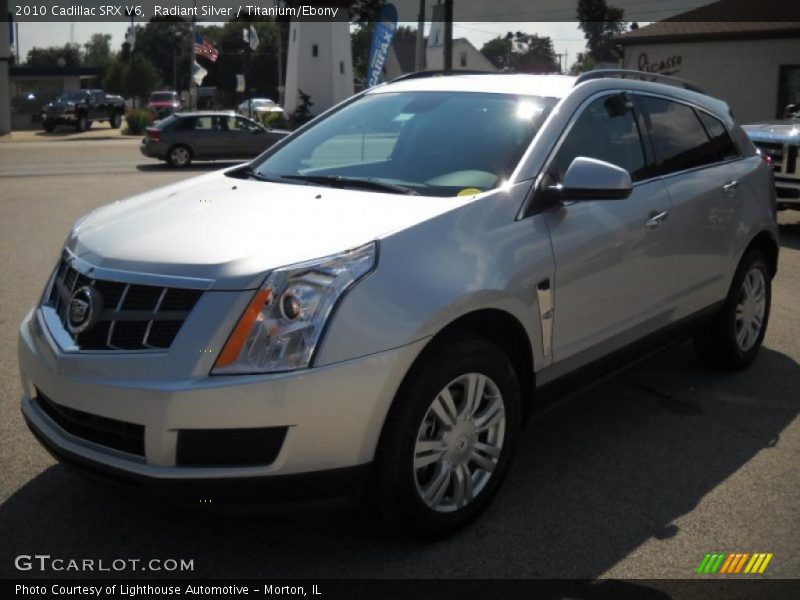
85,307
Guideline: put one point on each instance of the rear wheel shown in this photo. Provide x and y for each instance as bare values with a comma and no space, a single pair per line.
448,439
179,156
734,338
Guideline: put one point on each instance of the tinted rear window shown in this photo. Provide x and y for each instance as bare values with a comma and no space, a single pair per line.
679,135
719,134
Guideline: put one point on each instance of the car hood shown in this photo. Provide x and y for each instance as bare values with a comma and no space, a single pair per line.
780,130
231,231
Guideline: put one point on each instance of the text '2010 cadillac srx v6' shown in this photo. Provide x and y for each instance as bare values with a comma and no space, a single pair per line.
371,303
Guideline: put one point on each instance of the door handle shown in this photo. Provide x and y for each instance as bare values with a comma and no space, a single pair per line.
654,222
731,187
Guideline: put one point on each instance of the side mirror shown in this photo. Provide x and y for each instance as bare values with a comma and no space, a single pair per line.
592,179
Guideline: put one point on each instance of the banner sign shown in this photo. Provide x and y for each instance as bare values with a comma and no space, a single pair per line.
385,27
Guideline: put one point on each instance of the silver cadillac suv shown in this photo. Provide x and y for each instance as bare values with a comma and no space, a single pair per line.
374,302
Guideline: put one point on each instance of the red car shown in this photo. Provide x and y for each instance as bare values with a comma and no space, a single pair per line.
164,103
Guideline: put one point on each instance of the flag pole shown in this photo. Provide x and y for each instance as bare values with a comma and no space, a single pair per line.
192,90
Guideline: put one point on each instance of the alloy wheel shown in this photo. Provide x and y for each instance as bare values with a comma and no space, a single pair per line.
750,309
180,156
459,442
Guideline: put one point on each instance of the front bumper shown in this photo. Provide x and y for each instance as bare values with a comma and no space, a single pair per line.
333,415
787,191
60,118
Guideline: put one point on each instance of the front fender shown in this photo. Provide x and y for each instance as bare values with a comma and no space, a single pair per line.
474,257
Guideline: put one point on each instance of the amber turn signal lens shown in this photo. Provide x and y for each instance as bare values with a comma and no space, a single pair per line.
237,339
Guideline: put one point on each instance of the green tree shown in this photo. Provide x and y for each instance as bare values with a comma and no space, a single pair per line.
600,23
114,80
140,78
167,44
260,65
97,51
584,62
66,56
522,53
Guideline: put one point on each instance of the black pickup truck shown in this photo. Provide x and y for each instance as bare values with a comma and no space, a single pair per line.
81,108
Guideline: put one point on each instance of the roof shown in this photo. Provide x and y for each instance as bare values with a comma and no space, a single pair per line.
551,86
724,19
206,113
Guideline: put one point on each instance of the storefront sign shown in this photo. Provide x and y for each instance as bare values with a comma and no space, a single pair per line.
667,66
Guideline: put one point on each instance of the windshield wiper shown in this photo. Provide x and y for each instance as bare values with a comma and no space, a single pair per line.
353,182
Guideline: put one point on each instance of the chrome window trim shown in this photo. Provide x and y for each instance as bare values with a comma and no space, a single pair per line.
702,109
525,209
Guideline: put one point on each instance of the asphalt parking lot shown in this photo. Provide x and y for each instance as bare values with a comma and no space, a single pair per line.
637,477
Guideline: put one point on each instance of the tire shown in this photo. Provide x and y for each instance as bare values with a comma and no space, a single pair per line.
732,340
116,120
408,468
82,124
49,127
179,156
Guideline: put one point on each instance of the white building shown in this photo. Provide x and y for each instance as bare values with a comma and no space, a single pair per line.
751,63
465,57
320,63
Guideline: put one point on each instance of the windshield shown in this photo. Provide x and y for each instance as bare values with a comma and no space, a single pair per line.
162,97
71,96
432,143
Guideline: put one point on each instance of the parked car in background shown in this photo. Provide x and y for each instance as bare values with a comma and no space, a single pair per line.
164,103
778,142
367,304
183,137
259,108
81,108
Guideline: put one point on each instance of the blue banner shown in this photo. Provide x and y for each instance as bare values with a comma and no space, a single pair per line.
385,27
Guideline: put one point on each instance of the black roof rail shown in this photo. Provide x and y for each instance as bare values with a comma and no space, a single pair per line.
641,75
438,73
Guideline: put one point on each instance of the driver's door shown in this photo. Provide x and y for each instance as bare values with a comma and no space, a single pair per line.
614,263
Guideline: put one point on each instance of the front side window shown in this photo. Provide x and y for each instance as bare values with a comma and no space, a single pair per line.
606,130
433,143
679,135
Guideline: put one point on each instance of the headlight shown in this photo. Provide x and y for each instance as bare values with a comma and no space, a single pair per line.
282,325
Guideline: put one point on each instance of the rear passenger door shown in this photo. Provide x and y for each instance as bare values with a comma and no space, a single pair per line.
613,257
202,135
693,155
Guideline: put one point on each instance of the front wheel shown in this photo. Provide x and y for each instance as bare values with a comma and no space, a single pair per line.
734,338
82,124
448,439
116,120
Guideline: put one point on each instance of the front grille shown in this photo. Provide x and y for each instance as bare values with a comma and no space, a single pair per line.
784,157
111,433
134,316
229,447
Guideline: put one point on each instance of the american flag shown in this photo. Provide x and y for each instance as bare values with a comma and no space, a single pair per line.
204,49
